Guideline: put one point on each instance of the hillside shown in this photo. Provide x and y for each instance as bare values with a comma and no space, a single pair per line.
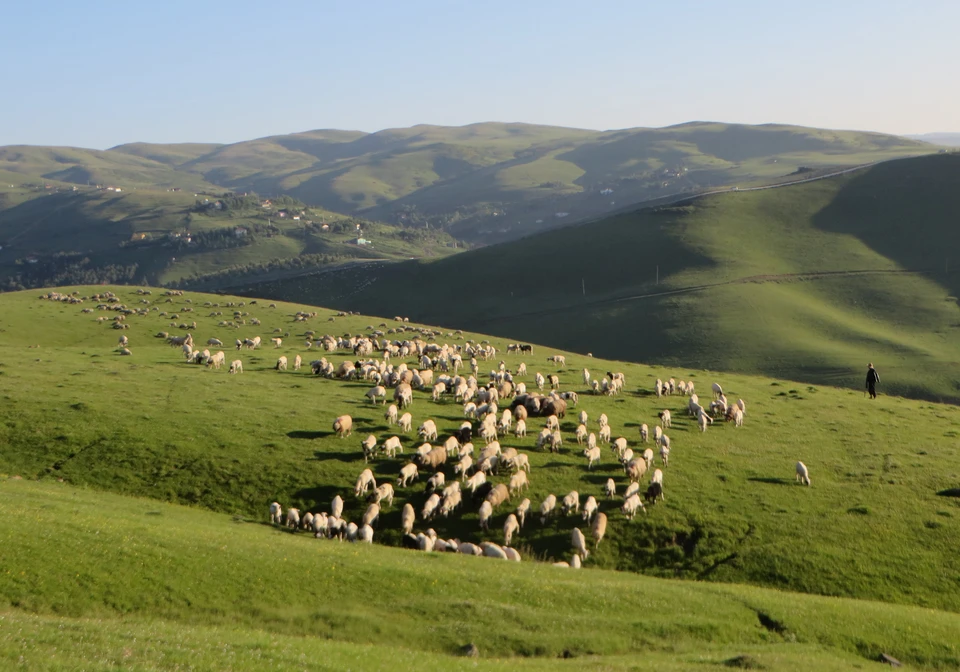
57,233
808,282
481,183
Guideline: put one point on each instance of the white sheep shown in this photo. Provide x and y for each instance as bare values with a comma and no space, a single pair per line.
522,510
297,362
236,366
631,505
371,514
336,506
430,507
665,418
590,508
664,454
547,508
364,482
407,518
582,417
521,462
282,363
408,473
378,392
518,481
610,489
540,380
605,434
277,342
384,493
368,445
293,518
717,390
486,512
491,550
520,429
428,430
405,422
602,420
510,527
592,455
803,474
644,433
391,414
581,433
275,512
463,466
599,528
579,543
657,434
571,502
475,481
365,534
648,457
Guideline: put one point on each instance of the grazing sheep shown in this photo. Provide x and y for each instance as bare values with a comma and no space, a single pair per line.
282,363
408,472
648,457
657,434
742,406
430,507
371,515
364,482
451,499
626,457
486,512
717,390
378,392
599,528
236,366
602,420
554,381
644,433
636,468
491,550
405,422
437,481
571,502
510,527
664,418
521,429
586,381
498,495
590,508
275,512
368,445
297,362
518,481
124,341
343,426
610,489
605,434
365,534
664,455
579,543
384,492
737,416
592,455
277,342
476,481
392,446
218,360
293,518
522,369
463,466
703,420
391,414
407,518
547,508
803,474
581,433
521,462
522,511
631,505
540,380
428,430
126,353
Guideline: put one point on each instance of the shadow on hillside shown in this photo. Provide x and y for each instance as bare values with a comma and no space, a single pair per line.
307,434
320,456
320,495
950,492
771,481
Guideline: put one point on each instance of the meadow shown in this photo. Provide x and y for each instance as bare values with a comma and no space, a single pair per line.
167,470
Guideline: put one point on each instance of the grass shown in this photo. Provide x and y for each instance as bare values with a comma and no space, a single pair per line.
808,282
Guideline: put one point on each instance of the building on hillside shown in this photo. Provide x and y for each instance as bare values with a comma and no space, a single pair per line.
139,236
266,204
324,227
363,241
240,232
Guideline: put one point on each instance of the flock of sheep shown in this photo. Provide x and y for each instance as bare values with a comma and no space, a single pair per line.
459,474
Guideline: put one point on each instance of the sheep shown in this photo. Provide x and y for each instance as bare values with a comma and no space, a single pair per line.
405,422
434,458
664,455
592,455
124,341
522,510
520,430
364,482
491,550
343,426
554,381
558,359
281,364
620,445
581,433
408,472
631,505
636,468
586,380
590,508
521,462
605,434
485,513
556,441
664,418
571,502
365,534
476,481
648,457
384,492
717,390
582,417
390,415
703,420
579,543
430,507
522,369
693,405
218,360
437,481
602,420
610,489
657,434
277,342
236,366
368,445
737,416
275,512
665,441
452,446
644,433
518,481
463,466
591,441
742,406
547,508
428,430
378,392
540,380
297,362
599,528
392,446
803,474
293,518
407,518
371,514
510,527
498,495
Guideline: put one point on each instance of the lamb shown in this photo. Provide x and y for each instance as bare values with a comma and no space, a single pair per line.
737,416
579,543
463,466
717,390
664,455
392,446
664,418
521,462
391,414
558,359
631,506
384,492
592,455
522,511
582,417
430,507
518,481
610,489
591,441
571,502
703,420
407,518
467,548
343,426
510,527
657,434
547,507
275,512
648,457
452,446
498,495
554,381
599,528
236,366
521,429
293,519
405,422
590,508
602,420
218,360
581,433
556,441
522,369
282,363
485,513
408,472
371,514
553,422
451,500
803,474
277,342
124,341
437,481
365,534
378,392
476,481
368,445
626,457
364,482
586,381
636,468
297,362
605,433
428,430
491,550
540,380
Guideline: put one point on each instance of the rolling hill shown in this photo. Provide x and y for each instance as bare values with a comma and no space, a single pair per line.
808,282
150,479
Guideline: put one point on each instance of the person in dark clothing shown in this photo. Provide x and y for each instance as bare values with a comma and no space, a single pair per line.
872,379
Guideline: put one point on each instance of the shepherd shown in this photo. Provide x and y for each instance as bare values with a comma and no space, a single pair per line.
872,379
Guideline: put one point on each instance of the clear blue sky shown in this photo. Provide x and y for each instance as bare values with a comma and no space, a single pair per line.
100,74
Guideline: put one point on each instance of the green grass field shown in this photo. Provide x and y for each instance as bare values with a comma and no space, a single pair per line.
168,469
808,282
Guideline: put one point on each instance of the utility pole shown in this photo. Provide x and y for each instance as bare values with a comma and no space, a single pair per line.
583,286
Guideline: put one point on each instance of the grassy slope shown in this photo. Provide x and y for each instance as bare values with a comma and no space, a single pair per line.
150,425
749,257
155,586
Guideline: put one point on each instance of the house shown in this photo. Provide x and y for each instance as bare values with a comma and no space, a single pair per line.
363,241
296,218
139,236
266,204
324,227
240,232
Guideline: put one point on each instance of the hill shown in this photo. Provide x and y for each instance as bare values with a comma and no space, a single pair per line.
151,425
807,282
942,139
481,183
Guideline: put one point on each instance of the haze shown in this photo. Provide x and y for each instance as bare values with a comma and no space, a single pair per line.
101,74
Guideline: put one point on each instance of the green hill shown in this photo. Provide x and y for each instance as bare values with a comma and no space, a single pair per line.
808,282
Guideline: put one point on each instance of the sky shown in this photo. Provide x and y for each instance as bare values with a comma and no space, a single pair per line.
101,74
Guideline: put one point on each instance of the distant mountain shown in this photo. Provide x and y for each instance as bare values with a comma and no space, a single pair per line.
483,182
945,139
